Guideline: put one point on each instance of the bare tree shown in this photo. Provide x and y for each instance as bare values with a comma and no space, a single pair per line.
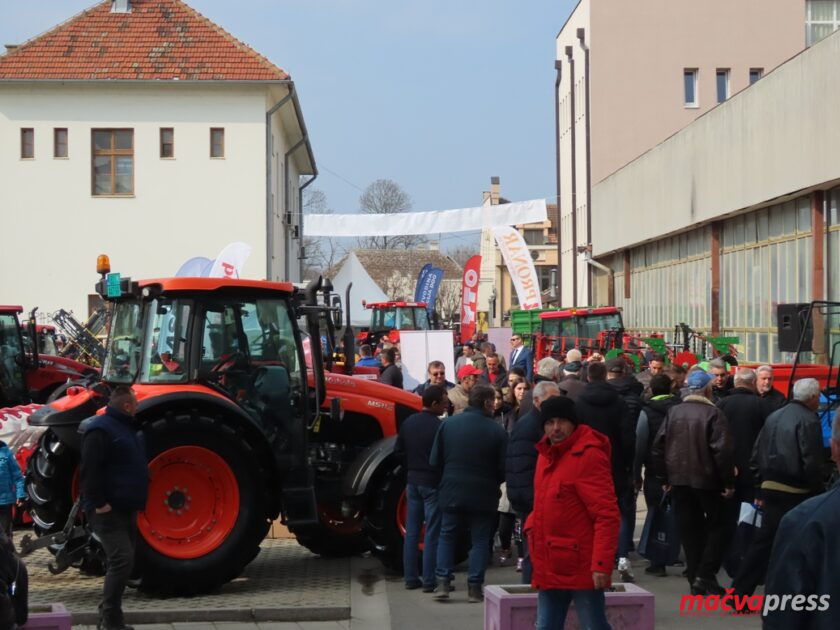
385,196
449,301
322,252
462,253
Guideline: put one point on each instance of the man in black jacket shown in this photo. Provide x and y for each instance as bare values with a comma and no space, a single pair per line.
391,374
764,385
787,465
693,457
630,389
521,462
470,452
651,418
804,560
602,407
115,483
437,376
413,447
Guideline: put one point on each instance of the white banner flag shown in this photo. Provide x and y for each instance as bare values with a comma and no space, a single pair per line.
229,262
436,222
520,266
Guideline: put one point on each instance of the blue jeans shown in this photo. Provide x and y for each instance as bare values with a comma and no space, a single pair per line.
627,508
422,507
553,605
482,526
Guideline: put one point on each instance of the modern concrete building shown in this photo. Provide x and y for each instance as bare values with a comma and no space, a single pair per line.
143,130
735,213
631,74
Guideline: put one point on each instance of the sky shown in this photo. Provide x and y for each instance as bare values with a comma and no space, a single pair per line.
437,95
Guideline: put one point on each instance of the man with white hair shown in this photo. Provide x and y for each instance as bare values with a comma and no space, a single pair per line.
787,464
764,385
807,542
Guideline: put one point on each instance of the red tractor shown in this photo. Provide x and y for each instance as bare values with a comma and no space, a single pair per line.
240,427
26,374
388,318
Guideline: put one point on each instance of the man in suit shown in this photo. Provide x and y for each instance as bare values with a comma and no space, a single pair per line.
520,356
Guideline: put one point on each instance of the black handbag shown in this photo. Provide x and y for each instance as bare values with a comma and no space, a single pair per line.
660,541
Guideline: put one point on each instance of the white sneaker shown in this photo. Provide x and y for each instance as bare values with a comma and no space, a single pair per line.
624,571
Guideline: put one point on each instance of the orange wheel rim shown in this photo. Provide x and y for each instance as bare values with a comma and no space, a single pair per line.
193,502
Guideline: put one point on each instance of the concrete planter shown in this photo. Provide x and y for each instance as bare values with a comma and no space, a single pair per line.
48,617
515,608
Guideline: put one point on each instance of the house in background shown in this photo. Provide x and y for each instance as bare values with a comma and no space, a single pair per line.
395,271
143,130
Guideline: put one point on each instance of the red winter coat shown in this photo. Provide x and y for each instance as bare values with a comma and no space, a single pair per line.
573,530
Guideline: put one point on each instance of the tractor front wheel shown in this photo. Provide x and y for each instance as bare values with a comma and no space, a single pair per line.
206,513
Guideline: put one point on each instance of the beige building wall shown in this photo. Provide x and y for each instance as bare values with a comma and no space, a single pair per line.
638,54
640,50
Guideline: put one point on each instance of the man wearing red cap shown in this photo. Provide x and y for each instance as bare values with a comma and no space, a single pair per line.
459,395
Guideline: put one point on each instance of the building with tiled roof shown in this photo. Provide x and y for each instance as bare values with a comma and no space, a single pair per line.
142,129
395,271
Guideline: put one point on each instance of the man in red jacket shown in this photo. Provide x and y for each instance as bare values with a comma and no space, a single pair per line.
573,531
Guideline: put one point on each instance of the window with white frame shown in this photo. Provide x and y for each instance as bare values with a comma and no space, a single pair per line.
690,87
722,84
822,18
756,74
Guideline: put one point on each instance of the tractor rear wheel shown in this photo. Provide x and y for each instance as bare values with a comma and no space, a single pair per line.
51,483
206,513
386,520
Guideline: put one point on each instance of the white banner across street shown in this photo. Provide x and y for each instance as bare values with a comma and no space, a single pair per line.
435,222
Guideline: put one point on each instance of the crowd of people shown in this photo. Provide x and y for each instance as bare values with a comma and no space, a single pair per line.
560,451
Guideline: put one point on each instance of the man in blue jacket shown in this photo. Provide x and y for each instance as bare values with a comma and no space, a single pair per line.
413,447
520,356
115,483
469,450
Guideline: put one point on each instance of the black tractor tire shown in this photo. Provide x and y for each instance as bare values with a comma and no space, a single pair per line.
380,523
159,570
49,479
324,540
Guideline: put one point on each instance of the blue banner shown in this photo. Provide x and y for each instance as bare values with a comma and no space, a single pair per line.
429,288
420,278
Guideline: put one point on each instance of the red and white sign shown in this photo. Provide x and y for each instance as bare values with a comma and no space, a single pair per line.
520,266
469,297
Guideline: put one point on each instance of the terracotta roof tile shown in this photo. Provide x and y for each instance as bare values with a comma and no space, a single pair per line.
158,39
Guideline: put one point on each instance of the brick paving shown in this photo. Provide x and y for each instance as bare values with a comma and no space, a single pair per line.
285,582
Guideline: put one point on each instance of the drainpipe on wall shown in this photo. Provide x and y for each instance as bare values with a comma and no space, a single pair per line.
610,279
581,35
558,66
287,199
574,172
269,227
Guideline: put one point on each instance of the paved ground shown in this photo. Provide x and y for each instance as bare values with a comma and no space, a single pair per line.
285,582
292,585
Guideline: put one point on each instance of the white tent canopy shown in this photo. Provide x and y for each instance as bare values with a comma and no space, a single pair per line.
364,288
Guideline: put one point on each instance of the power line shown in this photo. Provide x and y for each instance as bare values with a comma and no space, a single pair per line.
342,178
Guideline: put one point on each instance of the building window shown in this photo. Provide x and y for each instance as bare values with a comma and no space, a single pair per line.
217,142
60,142
167,142
690,87
113,162
756,74
534,237
722,83
822,18
27,143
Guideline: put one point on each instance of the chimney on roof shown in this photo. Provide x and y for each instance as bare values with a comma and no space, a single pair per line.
434,246
120,6
12,47
494,191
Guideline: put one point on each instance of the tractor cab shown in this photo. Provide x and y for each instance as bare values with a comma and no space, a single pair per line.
388,317
13,390
586,329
